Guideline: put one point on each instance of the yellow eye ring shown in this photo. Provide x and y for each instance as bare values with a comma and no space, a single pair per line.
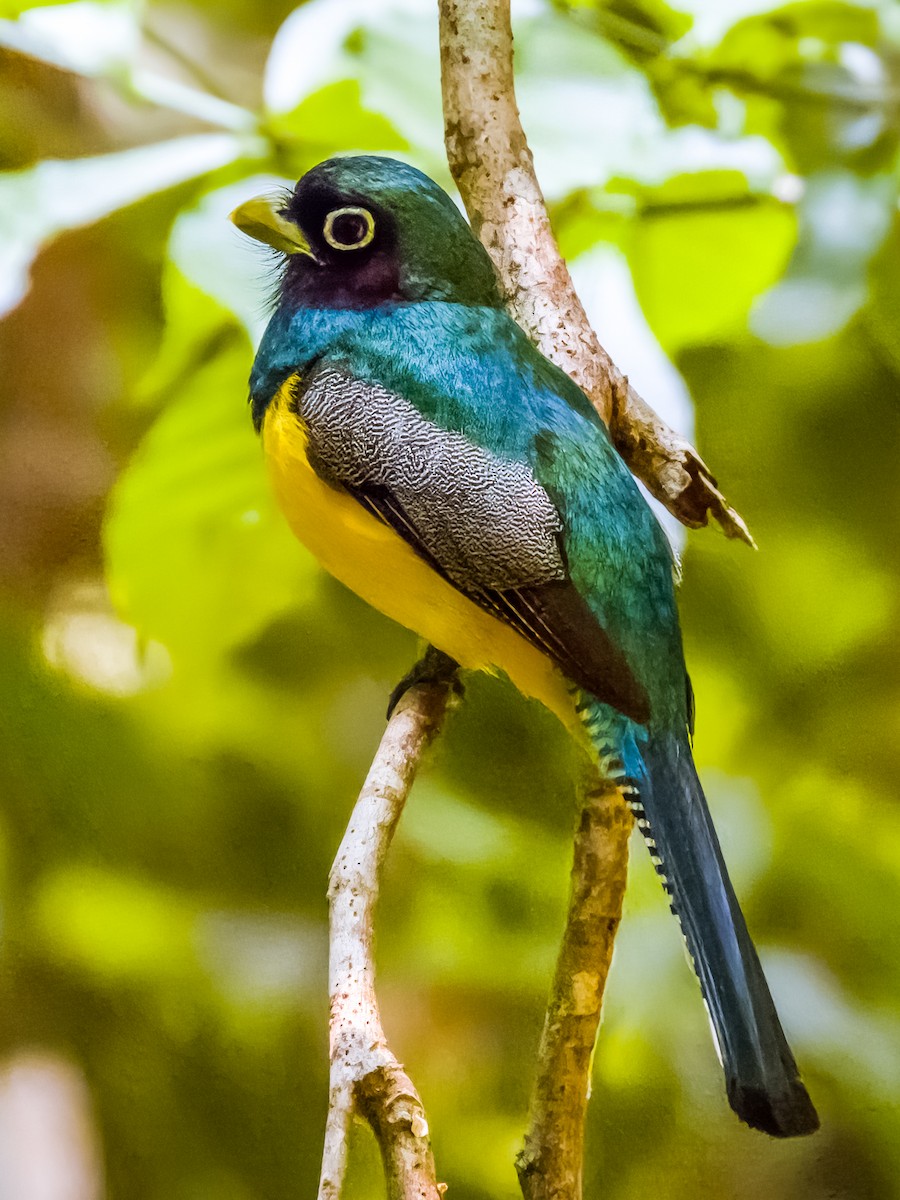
328,231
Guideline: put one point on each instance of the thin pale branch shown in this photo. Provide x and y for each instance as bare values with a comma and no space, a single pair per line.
366,1078
550,1164
492,165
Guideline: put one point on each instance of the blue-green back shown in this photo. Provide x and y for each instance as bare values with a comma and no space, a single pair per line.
472,370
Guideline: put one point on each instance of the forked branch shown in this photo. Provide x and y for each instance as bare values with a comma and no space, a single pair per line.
366,1079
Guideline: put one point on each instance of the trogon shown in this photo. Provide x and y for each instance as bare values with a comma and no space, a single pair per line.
437,464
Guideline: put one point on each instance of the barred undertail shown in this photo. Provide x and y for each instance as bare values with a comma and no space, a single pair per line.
659,781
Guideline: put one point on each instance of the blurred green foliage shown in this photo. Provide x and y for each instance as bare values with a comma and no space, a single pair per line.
189,706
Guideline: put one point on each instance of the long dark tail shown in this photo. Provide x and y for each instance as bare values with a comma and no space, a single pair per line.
761,1077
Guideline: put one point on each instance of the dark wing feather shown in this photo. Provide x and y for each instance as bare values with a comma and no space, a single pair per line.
552,616
484,524
555,618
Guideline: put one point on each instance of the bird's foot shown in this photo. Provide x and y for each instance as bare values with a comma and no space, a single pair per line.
433,667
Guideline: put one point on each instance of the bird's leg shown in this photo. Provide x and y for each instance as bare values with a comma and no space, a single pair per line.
433,667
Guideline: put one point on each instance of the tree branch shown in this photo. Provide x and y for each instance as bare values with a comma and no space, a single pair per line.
550,1164
492,165
365,1076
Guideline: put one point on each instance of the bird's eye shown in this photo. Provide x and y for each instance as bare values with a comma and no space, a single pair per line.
349,228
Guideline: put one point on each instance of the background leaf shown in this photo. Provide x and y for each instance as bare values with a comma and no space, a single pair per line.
38,203
193,529
702,250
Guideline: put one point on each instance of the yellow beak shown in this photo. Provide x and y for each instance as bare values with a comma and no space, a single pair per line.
259,218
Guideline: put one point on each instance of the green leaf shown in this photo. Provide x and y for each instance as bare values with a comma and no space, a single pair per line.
715,22
683,97
702,251
831,21
331,120
310,50
197,555
808,619
843,220
882,314
197,328
87,37
114,926
588,216
758,46
224,264
640,28
814,81
58,194
10,9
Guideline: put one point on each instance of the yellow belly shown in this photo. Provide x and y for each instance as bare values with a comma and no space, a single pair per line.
375,562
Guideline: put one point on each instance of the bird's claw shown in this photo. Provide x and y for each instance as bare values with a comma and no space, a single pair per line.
433,667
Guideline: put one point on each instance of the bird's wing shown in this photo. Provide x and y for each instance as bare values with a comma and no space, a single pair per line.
482,522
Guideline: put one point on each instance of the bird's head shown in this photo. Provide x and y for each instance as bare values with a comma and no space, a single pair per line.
362,231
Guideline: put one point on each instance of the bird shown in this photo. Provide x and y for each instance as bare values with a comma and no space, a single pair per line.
437,464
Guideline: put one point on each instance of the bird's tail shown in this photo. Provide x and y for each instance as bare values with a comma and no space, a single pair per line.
661,784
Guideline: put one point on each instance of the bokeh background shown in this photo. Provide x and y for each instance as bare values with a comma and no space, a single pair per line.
188,706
